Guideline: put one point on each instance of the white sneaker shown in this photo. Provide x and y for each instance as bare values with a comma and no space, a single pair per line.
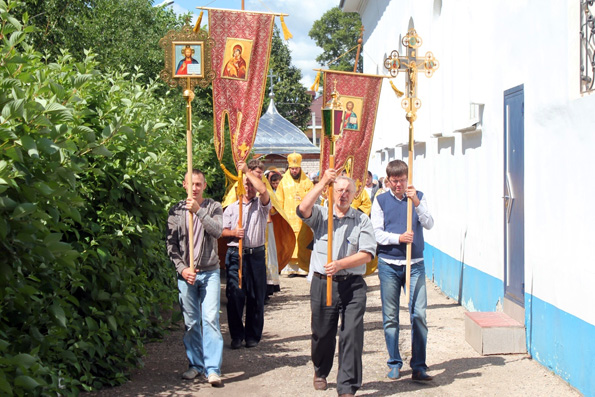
215,380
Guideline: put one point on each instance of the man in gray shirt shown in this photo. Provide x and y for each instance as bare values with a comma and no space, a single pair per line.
199,289
353,246
252,293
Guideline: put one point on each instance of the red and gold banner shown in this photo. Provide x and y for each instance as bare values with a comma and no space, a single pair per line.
359,95
240,60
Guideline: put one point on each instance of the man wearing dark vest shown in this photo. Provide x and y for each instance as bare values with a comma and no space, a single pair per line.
389,218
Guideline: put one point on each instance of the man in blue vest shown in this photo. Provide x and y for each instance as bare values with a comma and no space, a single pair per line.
389,218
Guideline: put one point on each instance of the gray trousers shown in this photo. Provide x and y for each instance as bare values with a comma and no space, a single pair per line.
349,304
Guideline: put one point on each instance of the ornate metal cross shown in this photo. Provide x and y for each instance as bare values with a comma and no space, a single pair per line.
411,65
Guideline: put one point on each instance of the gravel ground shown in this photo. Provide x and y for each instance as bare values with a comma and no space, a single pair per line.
280,365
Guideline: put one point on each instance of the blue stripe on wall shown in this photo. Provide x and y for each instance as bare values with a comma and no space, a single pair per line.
560,341
480,291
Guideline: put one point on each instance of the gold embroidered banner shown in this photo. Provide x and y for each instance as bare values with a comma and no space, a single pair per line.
240,60
359,95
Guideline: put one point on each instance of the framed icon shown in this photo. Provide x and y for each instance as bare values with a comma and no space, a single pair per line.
187,58
236,59
353,110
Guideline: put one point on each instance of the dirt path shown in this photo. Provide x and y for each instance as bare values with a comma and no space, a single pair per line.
280,365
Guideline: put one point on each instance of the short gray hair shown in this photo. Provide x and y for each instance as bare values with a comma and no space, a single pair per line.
348,179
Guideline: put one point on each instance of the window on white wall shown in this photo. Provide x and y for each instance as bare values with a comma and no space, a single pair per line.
587,45
437,8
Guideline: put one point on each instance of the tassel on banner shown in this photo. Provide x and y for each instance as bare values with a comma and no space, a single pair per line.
286,33
316,84
198,21
396,90
230,179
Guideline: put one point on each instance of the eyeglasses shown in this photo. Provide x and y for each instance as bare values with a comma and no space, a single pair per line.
341,191
394,181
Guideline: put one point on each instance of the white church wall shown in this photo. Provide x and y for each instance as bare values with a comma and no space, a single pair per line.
484,49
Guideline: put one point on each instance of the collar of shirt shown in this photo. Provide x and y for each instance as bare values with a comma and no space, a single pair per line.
349,214
249,202
395,196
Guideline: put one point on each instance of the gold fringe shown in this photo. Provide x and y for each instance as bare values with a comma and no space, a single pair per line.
316,84
198,21
396,90
286,33
230,179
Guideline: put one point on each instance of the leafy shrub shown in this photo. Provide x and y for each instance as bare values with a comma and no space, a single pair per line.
89,163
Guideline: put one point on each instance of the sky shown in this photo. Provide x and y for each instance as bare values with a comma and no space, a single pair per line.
302,14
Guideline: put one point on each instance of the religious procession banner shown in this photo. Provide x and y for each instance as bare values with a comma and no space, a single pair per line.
359,95
240,60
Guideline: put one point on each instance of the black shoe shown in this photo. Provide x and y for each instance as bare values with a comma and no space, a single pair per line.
421,376
236,344
251,343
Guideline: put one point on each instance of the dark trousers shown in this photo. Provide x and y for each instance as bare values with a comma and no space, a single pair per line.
251,295
349,304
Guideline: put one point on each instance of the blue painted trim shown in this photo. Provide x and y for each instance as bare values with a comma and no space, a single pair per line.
561,342
478,292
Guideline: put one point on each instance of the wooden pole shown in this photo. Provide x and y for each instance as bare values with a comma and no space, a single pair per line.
409,212
279,14
359,47
189,96
240,223
329,250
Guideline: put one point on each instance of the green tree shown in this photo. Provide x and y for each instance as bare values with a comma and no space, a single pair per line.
120,32
291,97
337,32
90,162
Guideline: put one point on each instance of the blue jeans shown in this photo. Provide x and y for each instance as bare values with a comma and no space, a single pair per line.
200,305
392,280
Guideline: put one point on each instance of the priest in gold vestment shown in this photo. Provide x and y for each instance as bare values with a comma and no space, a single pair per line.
290,192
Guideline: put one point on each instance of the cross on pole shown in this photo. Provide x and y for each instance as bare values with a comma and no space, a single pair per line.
411,65
271,75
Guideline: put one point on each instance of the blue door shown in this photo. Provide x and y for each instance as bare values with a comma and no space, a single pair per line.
514,211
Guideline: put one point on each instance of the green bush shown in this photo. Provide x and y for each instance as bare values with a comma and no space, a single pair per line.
89,164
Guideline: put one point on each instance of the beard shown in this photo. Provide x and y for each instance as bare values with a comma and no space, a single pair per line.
296,177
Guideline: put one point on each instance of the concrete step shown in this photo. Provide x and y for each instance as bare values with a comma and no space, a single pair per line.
494,333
